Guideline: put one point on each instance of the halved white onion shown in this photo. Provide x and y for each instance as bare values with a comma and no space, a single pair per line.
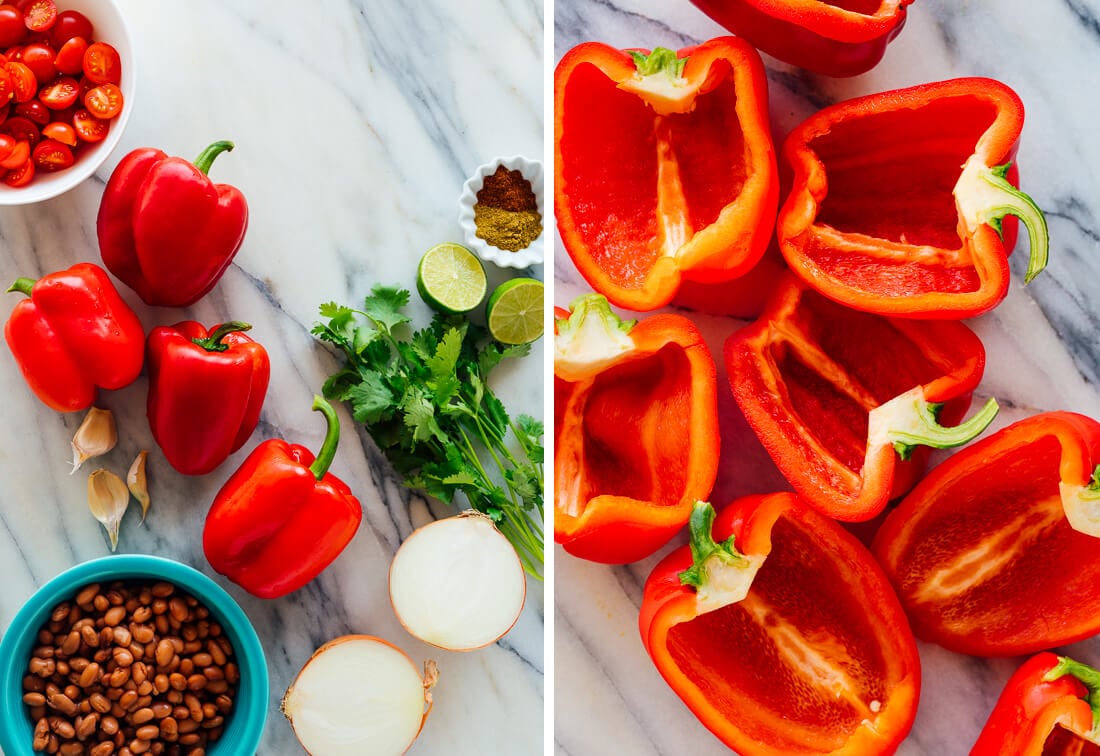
457,583
357,696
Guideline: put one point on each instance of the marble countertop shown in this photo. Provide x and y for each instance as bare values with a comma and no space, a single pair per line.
1041,343
355,124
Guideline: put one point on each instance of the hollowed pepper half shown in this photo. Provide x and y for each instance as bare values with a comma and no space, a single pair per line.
635,428
847,403
664,167
993,552
781,634
898,198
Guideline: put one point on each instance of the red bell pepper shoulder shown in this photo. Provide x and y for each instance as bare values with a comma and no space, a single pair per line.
992,553
781,634
847,403
898,198
664,168
635,428
842,38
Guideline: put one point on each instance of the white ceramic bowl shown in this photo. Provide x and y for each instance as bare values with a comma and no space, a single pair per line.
530,255
109,27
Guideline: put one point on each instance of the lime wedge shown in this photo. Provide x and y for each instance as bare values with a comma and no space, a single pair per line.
450,278
514,312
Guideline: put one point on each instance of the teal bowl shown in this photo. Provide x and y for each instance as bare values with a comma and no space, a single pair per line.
246,724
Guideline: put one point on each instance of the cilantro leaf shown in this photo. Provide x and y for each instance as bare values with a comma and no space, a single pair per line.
383,307
371,399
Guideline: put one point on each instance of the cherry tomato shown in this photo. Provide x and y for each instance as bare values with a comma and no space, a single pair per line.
14,53
70,24
88,127
18,155
102,64
62,93
12,28
22,129
20,176
6,86
70,56
5,109
34,112
52,156
60,131
40,15
24,85
7,144
39,58
104,101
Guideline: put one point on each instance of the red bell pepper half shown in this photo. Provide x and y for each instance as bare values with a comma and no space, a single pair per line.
781,634
836,38
206,389
165,229
664,168
282,517
898,199
1049,707
846,402
993,552
72,334
635,430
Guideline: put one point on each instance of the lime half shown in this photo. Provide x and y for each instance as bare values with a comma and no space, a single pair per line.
450,278
514,312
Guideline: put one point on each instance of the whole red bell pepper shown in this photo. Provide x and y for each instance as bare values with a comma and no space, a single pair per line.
206,389
635,430
664,168
848,403
1049,707
898,200
789,642
165,229
281,518
72,334
842,38
993,552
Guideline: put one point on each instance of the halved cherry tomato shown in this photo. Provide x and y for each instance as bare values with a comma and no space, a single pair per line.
88,127
20,176
23,129
35,112
60,132
40,15
12,28
52,156
19,155
24,85
6,87
102,63
104,101
70,24
70,57
7,144
39,58
62,93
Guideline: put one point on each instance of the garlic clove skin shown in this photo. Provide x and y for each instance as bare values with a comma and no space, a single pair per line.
108,498
137,483
96,435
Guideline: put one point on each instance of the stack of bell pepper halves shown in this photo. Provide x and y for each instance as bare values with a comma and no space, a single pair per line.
781,631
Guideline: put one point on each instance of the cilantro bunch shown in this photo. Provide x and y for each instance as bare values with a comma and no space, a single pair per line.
423,397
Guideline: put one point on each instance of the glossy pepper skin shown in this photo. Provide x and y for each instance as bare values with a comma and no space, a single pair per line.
282,517
847,403
897,200
165,229
993,552
832,38
72,334
664,168
1048,707
635,430
781,634
206,390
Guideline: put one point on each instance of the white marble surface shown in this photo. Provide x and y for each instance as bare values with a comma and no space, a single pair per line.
355,124
1041,342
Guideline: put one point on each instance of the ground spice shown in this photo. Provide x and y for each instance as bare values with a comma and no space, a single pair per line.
506,213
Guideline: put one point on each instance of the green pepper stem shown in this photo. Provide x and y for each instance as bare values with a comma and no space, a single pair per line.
704,547
1015,202
206,157
213,341
332,438
23,285
931,433
660,60
1088,676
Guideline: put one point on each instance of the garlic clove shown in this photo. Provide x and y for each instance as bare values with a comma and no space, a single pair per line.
108,498
137,483
96,435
